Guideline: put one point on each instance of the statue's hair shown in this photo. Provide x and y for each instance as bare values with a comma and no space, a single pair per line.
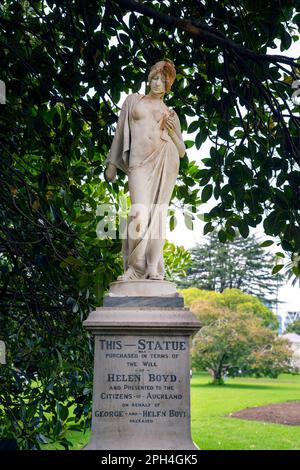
167,68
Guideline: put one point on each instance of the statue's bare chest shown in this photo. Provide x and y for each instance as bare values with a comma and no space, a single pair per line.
144,110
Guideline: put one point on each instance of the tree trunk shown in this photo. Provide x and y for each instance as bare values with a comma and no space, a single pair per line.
218,372
217,378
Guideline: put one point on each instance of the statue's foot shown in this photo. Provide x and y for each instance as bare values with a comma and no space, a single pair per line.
128,275
154,276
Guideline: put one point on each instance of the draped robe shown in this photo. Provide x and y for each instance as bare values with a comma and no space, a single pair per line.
151,183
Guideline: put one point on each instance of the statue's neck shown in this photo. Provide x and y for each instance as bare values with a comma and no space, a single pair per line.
156,96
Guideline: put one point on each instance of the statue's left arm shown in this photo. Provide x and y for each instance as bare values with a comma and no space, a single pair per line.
174,130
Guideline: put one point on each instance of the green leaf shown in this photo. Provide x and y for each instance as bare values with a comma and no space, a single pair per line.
277,268
189,143
64,413
222,236
193,127
201,137
172,223
266,243
243,228
286,40
208,228
274,223
206,193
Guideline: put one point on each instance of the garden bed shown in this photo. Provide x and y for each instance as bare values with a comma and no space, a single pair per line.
279,413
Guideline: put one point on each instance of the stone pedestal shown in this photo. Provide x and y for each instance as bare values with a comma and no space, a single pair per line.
141,394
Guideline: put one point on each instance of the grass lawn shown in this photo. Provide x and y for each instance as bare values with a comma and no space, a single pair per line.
212,430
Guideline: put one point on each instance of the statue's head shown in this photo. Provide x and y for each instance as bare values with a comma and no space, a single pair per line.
166,69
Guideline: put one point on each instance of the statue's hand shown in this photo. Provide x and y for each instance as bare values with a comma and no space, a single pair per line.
110,173
170,124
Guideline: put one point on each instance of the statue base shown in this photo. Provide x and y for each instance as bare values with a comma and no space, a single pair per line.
142,288
141,392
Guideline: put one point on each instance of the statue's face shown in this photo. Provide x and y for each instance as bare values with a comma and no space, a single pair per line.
158,83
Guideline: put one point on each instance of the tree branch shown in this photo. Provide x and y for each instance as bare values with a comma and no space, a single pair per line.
206,33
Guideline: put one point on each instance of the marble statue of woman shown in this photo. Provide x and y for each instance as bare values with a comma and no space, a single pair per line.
147,146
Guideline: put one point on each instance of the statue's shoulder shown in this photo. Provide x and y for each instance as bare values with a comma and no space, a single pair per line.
131,99
134,97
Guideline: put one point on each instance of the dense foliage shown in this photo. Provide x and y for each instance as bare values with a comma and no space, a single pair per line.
65,64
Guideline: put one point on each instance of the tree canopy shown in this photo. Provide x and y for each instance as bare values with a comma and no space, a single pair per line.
241,263
233,300
238,336
237,344
237,94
